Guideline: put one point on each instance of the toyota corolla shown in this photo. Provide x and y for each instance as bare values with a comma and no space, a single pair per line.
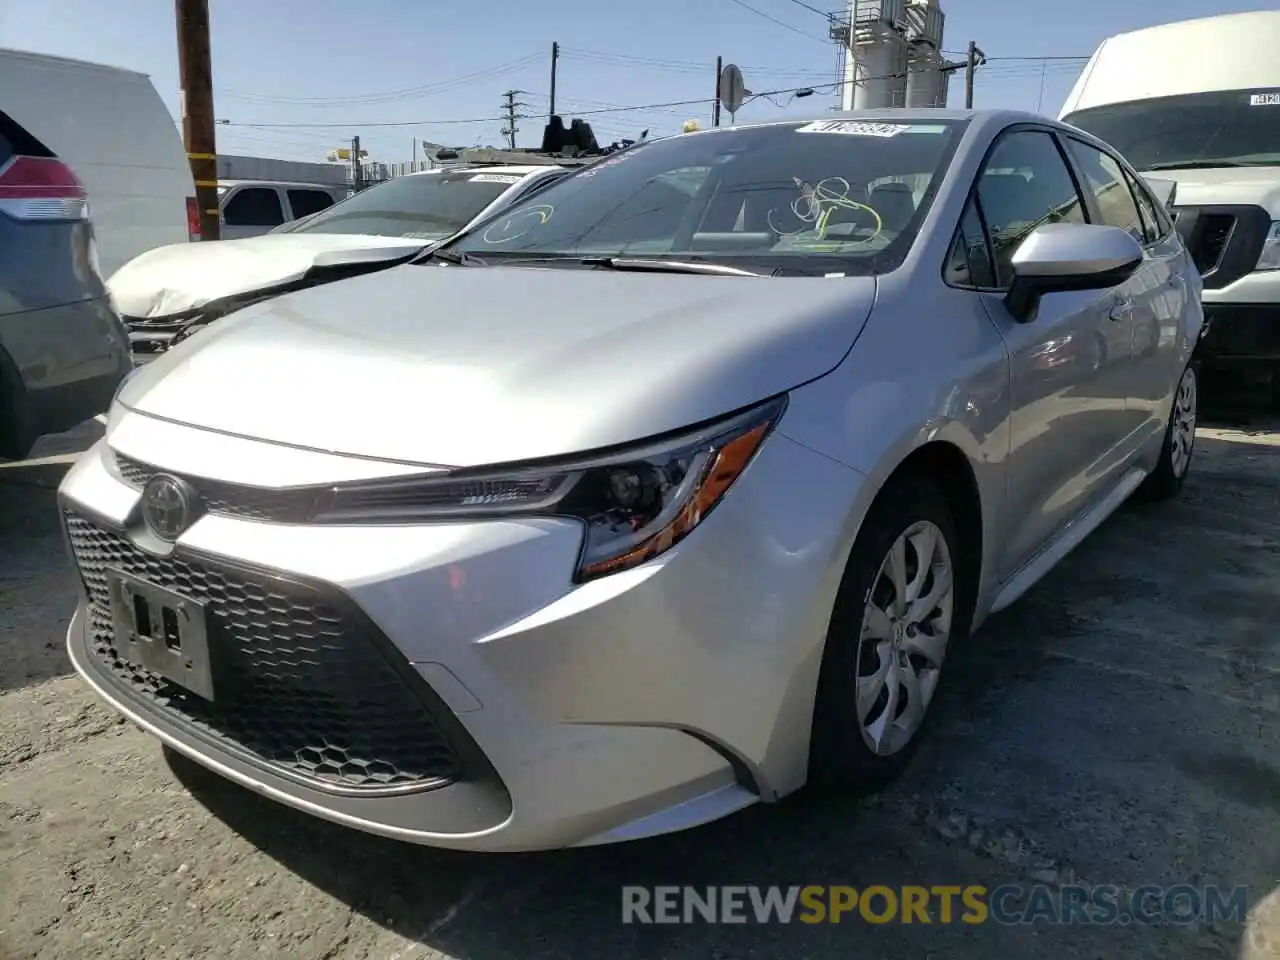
660,494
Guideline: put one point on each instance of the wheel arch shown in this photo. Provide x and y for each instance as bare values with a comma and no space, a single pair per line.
949,467
945,462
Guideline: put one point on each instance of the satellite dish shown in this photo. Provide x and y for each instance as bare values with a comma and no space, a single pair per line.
732,89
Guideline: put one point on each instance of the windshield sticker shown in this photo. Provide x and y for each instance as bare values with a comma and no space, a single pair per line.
599,165
1265,100
854,128
495,178
518,224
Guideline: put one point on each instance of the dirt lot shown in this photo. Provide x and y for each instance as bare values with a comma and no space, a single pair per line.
1120,725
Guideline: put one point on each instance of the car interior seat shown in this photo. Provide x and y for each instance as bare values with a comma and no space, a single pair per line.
895,203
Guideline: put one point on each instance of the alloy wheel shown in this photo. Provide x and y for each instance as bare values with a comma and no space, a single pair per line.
905,629
1182,429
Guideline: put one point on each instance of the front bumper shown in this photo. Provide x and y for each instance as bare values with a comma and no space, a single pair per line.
645,702
1241,333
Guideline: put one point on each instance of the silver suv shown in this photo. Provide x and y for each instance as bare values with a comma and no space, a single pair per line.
656,495
63,350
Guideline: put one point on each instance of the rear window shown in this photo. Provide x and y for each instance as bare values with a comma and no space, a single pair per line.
16,141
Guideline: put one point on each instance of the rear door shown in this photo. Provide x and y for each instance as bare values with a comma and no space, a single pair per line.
250,210
1150,302
1069,364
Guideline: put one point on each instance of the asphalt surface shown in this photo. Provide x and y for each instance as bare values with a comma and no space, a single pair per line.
1120,725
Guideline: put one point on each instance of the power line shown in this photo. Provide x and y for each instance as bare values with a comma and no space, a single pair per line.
961,53
632,108
782,23
388,96
680,66
822,13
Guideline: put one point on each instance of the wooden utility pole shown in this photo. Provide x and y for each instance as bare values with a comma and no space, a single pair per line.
357,168
974,60
195,70
715,104
509,108
555,60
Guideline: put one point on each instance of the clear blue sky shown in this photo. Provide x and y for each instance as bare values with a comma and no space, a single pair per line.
412,62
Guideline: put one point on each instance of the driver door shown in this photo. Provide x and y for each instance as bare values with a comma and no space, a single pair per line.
1069,366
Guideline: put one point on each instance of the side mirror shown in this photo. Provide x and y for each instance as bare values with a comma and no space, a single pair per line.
1059,257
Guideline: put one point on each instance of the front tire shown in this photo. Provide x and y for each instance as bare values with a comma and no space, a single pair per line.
1165,482
898,610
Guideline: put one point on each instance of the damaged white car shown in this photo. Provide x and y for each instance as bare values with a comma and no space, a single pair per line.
166,294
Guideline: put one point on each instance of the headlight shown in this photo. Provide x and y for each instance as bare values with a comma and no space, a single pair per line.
1269,259
635,504
123,383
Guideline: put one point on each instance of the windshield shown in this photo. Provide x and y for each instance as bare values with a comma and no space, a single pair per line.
1224,127
790,198
427,206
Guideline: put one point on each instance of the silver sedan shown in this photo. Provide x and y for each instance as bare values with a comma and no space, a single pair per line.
659,494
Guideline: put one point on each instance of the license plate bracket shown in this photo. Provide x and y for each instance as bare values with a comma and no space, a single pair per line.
162,631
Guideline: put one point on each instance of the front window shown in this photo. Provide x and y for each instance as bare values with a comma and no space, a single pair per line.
429,206
1223,128
836,196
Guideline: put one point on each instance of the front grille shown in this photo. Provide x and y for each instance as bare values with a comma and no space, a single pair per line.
232,499
1215,231
303,688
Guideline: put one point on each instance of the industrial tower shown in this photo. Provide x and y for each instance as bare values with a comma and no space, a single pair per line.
892,54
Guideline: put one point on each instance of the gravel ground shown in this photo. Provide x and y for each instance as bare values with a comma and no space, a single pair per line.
1119,725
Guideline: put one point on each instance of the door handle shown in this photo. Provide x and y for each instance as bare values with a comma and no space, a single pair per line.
1121,310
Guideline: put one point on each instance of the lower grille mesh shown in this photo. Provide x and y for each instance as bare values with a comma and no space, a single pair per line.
305,689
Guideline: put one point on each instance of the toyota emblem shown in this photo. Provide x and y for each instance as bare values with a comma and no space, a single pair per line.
168,506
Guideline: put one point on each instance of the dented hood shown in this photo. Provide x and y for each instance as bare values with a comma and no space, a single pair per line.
1258,185
187,276
465,366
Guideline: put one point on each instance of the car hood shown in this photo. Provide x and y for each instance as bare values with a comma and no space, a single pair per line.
182,277
1225,185
465,366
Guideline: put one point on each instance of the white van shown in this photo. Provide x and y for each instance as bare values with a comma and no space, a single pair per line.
1198,103
111,127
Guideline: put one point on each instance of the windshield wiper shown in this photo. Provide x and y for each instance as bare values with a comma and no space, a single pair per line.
666,266
1196,164
607,263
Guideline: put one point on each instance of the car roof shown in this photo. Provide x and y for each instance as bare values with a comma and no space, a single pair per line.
10,52
488,168
996,118
300,184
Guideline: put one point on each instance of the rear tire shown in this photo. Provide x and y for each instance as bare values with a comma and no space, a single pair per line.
899,609
1165,482
17,435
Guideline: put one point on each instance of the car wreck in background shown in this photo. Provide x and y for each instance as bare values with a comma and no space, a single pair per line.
167,293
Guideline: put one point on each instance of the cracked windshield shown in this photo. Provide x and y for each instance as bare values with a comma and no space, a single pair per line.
691,480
